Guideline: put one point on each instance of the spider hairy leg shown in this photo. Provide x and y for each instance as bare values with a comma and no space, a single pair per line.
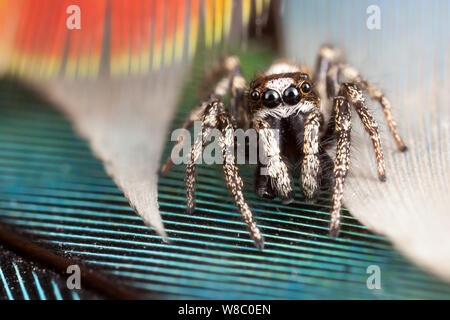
329,65
233,79
342,161
375,93
327,56
311,164
234,181
332,82
275,167
238,87
263,182
237,83
224,65
354,94
215,116
193,116
209,122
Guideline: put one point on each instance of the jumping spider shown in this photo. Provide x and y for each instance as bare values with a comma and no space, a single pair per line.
287,97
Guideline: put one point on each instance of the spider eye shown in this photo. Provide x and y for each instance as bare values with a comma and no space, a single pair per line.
306,87
271,99
254,95
291,96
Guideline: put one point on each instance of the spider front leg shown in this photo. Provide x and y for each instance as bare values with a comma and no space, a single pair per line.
274,167
354,94
263,182
233,180
209,122
343,127
310,179
348,94
215,116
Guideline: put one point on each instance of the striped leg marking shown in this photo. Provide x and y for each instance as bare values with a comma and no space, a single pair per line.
276,168
311,162
234,181
215,116
378,95
354,94
209,121
233,80
343,128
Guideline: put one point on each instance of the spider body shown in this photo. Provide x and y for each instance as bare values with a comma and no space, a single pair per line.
287,99
295,98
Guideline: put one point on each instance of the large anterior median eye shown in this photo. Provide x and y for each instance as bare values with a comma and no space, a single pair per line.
291,96
271,99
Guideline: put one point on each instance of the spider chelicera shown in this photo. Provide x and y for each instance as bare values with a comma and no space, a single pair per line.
287,97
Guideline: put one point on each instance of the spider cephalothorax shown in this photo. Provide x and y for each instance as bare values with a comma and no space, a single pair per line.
287,98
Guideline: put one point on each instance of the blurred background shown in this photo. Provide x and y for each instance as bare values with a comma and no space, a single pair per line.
90,92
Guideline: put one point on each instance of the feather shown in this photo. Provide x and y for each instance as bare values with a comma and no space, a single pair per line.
98,81
39,38
408,58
